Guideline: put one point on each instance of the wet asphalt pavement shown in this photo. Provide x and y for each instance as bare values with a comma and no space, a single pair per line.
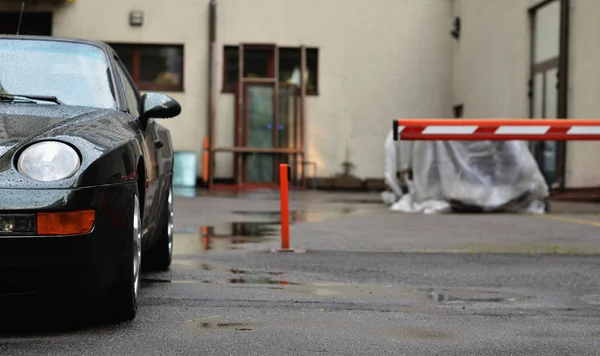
227,294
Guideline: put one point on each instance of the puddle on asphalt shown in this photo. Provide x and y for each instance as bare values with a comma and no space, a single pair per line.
248,281
415,294
258,280
357,201
241,277
260,194
468,296
221,325
210,323
229,236
305,216
352,291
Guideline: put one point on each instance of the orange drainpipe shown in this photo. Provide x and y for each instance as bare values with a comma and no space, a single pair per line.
205,160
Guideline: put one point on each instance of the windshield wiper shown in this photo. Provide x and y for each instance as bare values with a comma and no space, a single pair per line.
33,98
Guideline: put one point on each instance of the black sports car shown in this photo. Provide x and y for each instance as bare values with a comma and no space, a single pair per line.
85,173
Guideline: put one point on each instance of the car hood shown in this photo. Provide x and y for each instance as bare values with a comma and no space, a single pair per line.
20,123
94,132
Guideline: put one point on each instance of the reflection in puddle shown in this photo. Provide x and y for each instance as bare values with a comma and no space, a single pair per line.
258,280
356,201
241,276
249,281
220,325
209,323
261,194
241,271
229,236
306,216
353,291
468,296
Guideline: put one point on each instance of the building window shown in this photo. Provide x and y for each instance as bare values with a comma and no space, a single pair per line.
259,63
153,67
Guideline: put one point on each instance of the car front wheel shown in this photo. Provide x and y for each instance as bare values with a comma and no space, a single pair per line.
124,299
159,257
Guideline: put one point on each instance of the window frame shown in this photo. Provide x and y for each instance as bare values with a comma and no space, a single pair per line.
136,65
231,88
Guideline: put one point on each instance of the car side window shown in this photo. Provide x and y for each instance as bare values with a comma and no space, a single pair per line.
130,93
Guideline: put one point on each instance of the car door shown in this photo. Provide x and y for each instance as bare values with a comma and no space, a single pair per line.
149,147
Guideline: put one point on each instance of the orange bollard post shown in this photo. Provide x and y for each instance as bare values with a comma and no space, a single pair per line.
285,216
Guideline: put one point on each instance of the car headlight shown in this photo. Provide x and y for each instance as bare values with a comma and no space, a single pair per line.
48,161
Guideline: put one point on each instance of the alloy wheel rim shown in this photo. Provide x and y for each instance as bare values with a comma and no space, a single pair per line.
137,247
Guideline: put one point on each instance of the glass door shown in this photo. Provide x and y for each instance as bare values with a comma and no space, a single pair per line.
549,148
259,125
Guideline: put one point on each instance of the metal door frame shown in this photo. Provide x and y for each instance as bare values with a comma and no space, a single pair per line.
561,63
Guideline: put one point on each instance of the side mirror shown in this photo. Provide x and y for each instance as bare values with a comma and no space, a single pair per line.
158,106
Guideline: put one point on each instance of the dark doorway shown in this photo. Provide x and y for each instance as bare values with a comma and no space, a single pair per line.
32,23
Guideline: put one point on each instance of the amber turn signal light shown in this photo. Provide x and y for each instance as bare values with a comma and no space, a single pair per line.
66,223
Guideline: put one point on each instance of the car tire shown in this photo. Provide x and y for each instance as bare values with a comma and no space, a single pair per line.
125,295
159,257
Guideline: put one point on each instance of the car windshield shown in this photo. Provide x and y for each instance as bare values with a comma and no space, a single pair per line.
74,73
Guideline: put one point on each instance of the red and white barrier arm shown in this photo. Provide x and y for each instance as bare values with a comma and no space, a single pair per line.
497,129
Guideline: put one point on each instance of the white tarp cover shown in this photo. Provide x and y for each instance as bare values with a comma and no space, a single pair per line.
482,175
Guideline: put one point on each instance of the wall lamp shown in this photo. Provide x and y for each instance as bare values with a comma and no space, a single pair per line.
136,18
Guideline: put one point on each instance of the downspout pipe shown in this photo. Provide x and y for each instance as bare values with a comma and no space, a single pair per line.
563,87
212,35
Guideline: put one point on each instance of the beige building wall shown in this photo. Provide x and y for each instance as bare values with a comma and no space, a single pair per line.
377,61
492,70
583,166
164,23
